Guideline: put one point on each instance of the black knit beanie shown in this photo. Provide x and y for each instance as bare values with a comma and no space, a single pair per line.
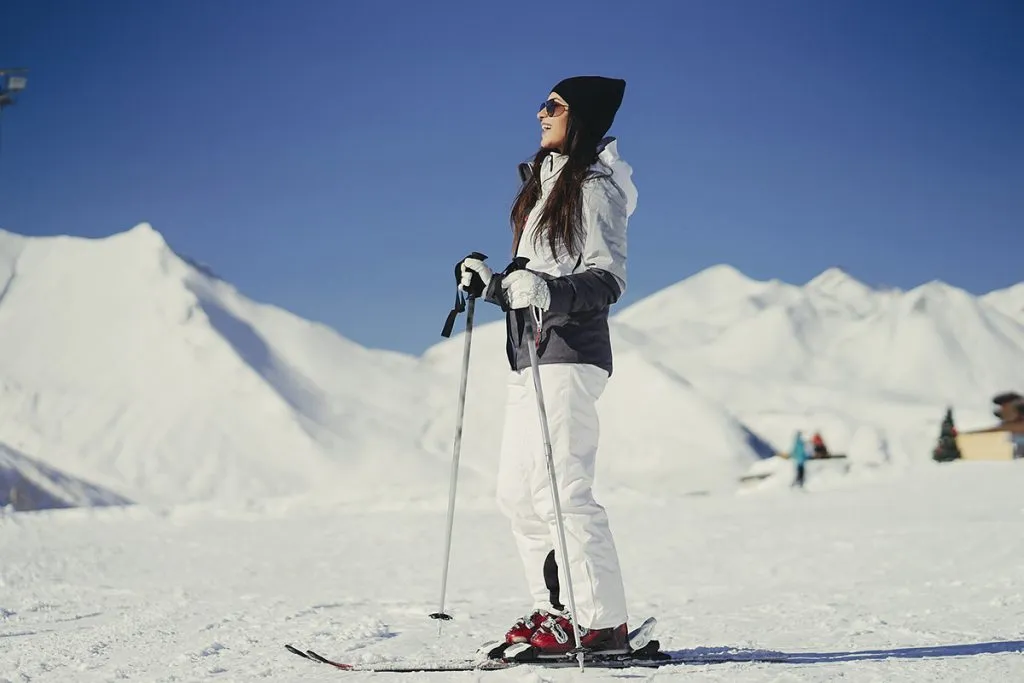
593,100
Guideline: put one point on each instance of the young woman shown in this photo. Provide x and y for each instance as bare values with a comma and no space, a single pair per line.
569,220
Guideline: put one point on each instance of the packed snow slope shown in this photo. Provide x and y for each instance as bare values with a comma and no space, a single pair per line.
894,576
130,367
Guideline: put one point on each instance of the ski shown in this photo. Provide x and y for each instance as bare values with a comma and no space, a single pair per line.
643,652
633,660
297,651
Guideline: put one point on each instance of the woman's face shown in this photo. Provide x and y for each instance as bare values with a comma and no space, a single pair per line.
553,126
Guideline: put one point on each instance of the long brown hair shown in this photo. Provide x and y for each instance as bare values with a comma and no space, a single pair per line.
561,222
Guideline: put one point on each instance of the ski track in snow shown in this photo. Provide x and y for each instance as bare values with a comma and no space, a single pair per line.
903,577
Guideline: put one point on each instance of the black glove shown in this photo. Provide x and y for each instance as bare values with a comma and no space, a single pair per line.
472,275
469,278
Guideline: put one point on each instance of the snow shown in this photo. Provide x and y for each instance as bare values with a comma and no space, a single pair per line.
128,366
835,355
1010,301
888,576
287,483
157,381
26,483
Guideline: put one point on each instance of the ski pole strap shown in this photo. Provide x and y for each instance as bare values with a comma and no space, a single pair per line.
476,288
459,307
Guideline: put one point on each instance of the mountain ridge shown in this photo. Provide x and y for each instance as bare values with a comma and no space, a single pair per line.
157,379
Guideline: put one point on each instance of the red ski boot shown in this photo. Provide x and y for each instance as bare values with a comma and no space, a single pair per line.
524,628
555,636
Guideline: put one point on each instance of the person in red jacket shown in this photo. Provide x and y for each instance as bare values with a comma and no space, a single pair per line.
818,444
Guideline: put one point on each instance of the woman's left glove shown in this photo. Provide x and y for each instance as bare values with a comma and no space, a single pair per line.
473,274
524,288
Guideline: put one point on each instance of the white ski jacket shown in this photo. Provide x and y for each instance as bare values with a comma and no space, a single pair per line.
583,287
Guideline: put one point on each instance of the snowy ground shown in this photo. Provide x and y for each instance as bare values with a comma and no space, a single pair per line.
888,578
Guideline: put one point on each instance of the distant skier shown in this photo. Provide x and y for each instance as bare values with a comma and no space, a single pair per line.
799,455
818,444
569,219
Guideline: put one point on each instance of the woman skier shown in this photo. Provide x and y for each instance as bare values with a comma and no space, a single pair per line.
569,222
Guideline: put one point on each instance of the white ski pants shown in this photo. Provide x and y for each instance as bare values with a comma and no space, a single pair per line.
570,394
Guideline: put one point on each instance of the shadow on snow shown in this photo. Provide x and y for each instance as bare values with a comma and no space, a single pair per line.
729,654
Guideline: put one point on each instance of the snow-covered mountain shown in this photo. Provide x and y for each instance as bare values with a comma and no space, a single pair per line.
1010,301
27,484
836,355
123,364
128,366
658,432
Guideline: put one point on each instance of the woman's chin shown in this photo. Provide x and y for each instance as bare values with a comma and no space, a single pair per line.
547,143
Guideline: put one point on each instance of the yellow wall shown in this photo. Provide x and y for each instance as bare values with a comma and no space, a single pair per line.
985,446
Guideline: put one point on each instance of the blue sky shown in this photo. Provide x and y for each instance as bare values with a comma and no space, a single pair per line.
337,158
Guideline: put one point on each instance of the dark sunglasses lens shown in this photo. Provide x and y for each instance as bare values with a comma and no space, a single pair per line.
549,106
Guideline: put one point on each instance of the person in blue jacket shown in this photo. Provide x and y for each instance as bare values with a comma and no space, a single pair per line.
799,456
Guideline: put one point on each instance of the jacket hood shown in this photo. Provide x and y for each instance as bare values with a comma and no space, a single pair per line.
622,172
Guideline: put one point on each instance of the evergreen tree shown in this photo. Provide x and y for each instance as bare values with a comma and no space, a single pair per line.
946,449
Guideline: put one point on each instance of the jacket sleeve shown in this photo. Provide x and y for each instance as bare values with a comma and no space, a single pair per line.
604,253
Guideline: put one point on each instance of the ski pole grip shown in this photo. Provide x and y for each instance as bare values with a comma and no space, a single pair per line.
476,289
476,284
518,263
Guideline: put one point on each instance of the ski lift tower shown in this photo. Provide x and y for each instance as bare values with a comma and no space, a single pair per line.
11,81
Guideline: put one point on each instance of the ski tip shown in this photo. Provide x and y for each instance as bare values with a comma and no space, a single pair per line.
295,651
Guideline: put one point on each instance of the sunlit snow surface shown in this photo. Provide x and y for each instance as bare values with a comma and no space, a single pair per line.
890,578
290,484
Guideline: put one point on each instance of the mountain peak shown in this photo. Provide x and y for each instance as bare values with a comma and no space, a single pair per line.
1009,301
937,288
721,271
838,286
142,235
834,278
719,278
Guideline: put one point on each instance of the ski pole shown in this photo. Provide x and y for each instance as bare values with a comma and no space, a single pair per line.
460,412
552,481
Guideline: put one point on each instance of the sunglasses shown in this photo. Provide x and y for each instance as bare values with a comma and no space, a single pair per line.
553,107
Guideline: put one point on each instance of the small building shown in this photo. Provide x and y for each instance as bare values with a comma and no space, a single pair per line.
1004,441
1010,407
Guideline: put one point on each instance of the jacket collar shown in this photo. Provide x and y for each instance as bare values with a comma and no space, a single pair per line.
550,168
608,160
